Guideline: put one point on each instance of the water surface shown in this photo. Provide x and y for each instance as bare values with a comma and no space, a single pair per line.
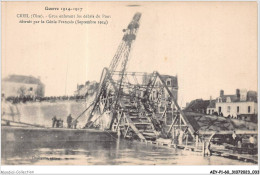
118,152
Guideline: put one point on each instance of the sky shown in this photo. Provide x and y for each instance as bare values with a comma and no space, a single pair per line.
208,45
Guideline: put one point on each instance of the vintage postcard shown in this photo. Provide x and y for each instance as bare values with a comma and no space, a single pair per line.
129,83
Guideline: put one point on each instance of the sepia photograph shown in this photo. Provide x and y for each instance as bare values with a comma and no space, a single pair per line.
129,83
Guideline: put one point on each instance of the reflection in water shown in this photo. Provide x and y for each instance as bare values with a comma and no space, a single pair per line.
119,152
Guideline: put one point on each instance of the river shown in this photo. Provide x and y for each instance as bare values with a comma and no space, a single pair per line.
118,152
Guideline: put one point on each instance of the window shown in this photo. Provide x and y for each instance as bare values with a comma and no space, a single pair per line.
237,109
249,109
168,82
228,109
219,100
228,99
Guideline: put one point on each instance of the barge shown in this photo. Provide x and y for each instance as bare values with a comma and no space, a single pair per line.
30,134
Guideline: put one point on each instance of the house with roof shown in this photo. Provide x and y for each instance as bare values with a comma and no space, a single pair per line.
170,81
242,105
211,108
21,85
89,88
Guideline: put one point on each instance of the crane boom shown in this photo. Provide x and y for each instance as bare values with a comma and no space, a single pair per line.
125,46
119,61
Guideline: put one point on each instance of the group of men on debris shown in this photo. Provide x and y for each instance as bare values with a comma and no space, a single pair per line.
58,123
237,141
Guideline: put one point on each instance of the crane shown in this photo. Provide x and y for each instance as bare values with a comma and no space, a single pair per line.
118,63
129,105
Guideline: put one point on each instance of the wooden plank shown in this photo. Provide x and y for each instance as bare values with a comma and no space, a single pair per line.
149,134
228,132
39,126
131,124
164,113
138,117
171,125
154,130
142,123
119,121
126,130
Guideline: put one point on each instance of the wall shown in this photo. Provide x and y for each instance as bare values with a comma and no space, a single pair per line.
209,110
41,113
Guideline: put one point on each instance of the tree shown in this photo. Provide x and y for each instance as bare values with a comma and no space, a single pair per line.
22,91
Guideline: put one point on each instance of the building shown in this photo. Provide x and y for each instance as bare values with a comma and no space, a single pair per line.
89,88
170,81
172,84
21,86
242,105
211,108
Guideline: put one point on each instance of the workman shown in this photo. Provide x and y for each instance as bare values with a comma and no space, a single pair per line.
234,137
54,120
69,120
75,124
57,123
251,141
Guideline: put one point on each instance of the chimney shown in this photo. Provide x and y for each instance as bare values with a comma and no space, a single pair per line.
210,98
238,93
221,93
